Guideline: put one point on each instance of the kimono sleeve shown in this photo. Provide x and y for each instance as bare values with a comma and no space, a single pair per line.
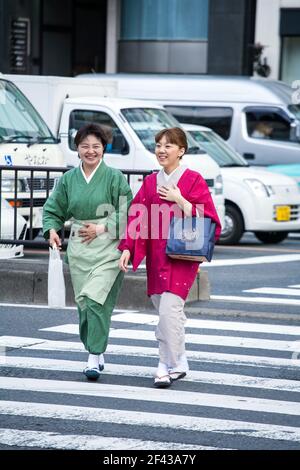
199,194
55,210
121,199
136,233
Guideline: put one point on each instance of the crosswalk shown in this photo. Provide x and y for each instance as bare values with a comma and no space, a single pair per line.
242,392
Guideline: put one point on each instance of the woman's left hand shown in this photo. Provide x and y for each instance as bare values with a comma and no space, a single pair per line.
172,194
88,233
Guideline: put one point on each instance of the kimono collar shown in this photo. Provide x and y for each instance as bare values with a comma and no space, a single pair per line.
174,177
88,178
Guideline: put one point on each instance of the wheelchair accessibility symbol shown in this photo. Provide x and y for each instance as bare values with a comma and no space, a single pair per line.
8,160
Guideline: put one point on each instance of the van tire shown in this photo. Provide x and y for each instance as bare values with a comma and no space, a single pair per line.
271,237
234,226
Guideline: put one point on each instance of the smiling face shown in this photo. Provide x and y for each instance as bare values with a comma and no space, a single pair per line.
90,151
168,155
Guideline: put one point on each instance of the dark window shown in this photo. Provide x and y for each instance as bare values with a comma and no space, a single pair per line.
81,117
267,124
217,118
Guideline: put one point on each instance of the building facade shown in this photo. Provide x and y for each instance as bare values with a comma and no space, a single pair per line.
221,37
281,37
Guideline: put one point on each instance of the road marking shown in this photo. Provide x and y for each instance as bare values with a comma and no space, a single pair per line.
190,338
53,440
216,378
257,300
37,306
297,286
138,418
126,392
49,345
148,319
254,260
274,290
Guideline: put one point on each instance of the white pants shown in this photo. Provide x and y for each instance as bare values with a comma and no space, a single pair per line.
170,328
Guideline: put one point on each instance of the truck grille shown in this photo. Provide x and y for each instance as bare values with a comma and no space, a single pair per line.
295,213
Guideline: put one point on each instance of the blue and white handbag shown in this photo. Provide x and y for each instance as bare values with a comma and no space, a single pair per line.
191,238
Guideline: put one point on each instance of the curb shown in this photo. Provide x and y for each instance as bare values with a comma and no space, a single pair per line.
25,282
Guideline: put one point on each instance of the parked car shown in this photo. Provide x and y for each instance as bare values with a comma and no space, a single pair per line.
256,200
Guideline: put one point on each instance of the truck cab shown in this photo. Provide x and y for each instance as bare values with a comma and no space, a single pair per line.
133,125
25,140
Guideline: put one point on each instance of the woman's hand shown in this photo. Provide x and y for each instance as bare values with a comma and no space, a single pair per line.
54,239
89,232
124,260
172,194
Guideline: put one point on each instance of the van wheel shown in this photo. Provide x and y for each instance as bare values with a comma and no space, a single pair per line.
271,237
234,226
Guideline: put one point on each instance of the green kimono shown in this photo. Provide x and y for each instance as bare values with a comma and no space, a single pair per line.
95,274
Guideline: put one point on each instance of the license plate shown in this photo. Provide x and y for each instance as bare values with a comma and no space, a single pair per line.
283,213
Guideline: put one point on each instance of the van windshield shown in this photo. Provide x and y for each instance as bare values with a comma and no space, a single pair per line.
146,122
19,121
295,109
219,150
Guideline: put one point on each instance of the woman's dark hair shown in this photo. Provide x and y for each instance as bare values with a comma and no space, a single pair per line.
173,135
92,129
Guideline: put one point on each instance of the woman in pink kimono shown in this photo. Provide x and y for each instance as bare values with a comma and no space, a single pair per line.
173,189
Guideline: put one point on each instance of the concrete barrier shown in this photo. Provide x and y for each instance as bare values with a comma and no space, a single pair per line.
25,281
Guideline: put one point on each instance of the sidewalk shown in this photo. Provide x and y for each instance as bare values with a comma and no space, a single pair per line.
24,280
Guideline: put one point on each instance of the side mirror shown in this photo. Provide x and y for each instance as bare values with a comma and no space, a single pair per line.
295,131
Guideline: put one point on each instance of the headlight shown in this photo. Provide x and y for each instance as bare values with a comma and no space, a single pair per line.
8,185
219,185
259,188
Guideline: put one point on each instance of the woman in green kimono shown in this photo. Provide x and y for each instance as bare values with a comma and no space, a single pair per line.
96,197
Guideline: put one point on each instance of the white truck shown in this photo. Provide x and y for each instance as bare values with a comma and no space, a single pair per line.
256,200
25,140
66,104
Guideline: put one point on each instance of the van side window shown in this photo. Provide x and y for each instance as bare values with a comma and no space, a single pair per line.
217,118
78,118
267,124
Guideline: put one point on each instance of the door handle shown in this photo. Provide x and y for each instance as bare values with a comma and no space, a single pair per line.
249,156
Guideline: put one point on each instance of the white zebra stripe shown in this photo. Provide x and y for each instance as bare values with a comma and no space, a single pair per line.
160,420
145,318
256,300
53,440
215,378
152,395
49,345
274,290
240,342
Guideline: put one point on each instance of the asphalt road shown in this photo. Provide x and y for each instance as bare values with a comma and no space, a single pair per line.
242,392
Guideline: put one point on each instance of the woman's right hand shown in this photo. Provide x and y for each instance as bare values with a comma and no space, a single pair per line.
54,239
124,260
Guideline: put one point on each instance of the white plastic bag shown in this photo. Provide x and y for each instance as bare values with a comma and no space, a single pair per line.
56,282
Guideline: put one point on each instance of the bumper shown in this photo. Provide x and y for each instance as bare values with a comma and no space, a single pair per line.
264,215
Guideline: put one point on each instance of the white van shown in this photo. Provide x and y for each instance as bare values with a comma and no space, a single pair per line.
133,124
236,108
25,140
255,200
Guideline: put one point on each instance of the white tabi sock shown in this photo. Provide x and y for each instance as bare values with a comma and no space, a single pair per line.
101,360
161,370
93,361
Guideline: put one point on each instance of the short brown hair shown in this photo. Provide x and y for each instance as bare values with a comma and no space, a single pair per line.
92,129
174,135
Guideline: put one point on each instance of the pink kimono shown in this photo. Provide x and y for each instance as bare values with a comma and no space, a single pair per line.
164,274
